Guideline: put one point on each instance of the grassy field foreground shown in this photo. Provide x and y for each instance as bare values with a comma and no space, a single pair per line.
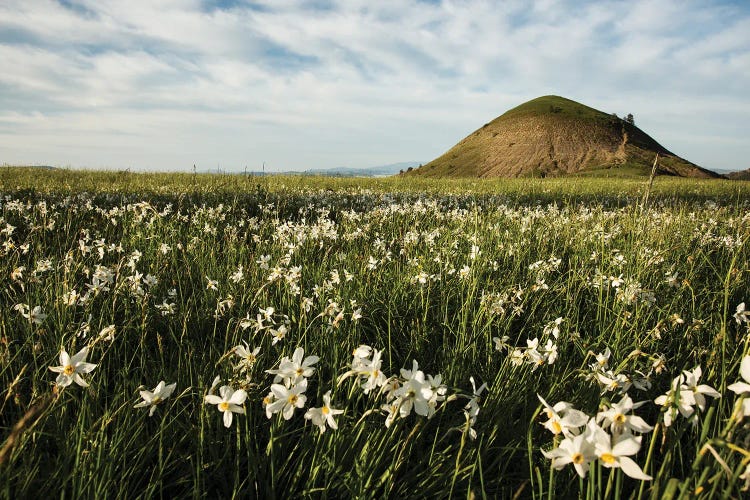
198,336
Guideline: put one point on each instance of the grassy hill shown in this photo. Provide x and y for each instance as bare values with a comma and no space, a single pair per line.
554,136
744,175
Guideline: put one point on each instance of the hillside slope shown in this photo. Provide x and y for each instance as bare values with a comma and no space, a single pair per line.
553,136
743,175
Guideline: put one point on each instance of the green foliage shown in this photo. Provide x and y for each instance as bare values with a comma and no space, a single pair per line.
544,249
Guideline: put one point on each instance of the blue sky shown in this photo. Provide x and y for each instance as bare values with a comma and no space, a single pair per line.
163,85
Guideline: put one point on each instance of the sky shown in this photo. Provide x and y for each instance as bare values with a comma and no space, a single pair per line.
302,84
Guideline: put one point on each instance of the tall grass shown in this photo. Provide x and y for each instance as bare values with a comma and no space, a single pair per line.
438,270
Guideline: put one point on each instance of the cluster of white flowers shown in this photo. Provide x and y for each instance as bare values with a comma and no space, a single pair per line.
609,437
535,353
413,390
616,380
615,433
266,319
684,395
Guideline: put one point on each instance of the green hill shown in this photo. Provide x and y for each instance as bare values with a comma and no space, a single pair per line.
554,136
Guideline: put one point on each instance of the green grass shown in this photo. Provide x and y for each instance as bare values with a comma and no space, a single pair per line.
544,249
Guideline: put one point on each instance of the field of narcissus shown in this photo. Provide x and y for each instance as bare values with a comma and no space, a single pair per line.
373,340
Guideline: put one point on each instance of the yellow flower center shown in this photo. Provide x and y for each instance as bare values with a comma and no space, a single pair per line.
223,406
556,427
69,370
325,410
156,400
620,419
299,372
578,458
607,458
292,399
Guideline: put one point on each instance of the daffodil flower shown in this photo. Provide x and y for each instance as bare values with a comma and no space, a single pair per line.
614,452
291,371
229,402
71,368
159,394
287,399
563,418
690,383
742,389
324,415
618,419
577,450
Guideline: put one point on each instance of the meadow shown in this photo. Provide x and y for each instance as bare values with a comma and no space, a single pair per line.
180,335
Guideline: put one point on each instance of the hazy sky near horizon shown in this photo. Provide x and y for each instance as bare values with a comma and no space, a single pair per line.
298,84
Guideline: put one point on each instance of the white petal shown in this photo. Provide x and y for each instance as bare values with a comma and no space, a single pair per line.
737,387
238,397
626,445
638,424
227,418
213,399
84,367
168,390
708,391
288,412
236,409
279,391
630,468
80,356
64,358
79,380
745,368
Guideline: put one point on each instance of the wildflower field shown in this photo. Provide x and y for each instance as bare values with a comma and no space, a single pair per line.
193,335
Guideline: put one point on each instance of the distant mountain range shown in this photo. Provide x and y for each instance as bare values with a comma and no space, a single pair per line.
378,171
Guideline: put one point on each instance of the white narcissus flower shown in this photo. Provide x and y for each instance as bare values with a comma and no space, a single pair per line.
578,450
324,415
741,315
602,359
471,410
291,371
287,399
676,399
615,451
70,368
617,417
563,418
742,389
229,402
37,316
159,394
247,357
415,392
690,382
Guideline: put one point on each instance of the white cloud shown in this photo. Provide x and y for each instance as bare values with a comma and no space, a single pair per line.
301,85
